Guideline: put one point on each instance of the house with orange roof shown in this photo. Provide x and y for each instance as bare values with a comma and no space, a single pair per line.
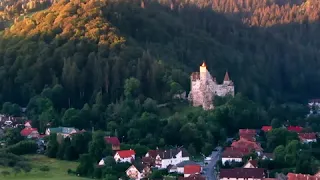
189,170
307,137
245,144
114,141
125,156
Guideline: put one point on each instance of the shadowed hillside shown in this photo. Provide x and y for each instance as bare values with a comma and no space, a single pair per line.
93,46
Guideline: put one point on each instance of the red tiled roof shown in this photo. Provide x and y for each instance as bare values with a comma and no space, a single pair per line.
126,153
27,131
292,176
307,136
153,153
112,140
193,177
232,154
295,128
191,169
148,161
245,144
243,150
266,128
249,137
256,173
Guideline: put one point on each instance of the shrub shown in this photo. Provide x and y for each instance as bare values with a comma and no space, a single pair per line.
44,168
23,147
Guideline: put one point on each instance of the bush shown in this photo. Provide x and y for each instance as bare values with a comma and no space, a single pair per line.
23,147
44,168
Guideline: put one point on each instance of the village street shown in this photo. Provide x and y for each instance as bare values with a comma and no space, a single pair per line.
210,173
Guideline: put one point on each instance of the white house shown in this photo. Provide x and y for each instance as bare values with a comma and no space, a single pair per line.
138,171
242,174
125,156
307,137
232,155
168,157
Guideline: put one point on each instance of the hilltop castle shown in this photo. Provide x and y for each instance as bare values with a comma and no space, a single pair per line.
204,87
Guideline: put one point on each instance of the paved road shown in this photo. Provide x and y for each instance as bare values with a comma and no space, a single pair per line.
209,168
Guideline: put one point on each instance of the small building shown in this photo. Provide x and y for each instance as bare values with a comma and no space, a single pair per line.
63,131
308,137
164,158
293,176
245,144
114,141
266,128
296,129
27,124
138,171
233,155
251,164
242,174
125,156
30,133
191,170
180,166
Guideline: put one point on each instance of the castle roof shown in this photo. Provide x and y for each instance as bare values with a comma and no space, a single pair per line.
203,64
226,77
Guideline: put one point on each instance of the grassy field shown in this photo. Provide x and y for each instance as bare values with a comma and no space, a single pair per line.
58,170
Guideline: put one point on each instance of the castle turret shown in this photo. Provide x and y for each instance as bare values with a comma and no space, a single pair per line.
226,79
203,72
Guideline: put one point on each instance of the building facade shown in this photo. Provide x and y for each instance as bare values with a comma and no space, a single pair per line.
204,87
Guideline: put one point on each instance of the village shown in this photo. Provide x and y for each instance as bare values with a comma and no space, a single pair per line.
239,158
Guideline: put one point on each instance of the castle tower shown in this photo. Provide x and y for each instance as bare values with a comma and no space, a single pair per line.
203,72
226,79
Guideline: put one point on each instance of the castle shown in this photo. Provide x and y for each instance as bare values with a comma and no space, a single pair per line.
204,87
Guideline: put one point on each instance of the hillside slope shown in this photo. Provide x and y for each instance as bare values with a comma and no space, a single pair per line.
94,46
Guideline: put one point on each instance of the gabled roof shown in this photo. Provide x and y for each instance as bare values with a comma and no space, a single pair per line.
112,140
226,77
266,128
233,153
247,131
193,177
248,137
257,173
254,163
126,153
28,131
64,130
292,176
192,169
307,136
295,128
184,163
168,154
243,144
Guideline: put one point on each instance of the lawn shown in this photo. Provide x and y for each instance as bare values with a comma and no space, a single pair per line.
58,170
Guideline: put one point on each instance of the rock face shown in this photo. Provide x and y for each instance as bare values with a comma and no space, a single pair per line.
204,87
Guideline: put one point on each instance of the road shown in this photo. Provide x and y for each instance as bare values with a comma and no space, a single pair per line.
210,173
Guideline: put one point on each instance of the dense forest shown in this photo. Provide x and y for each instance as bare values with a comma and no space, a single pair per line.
93,46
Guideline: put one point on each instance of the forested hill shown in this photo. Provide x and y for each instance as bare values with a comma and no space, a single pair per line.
93,46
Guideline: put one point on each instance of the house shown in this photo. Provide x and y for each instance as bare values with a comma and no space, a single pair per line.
29,132
248,137
180,166
296,129
293,176
138,171
308,137
233,155
251,164
242,174
125,156
114,141
266,128
267,156
193,177
27,124
245,144
247,132
63,131
164,158
191,170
